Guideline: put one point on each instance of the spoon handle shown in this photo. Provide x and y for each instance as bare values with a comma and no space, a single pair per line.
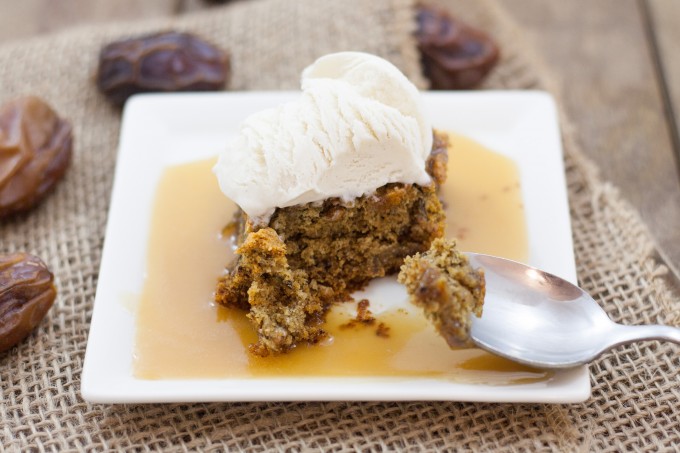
628,334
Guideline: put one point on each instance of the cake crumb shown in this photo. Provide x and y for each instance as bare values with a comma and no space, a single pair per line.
383,330
442,282
363,317
363,313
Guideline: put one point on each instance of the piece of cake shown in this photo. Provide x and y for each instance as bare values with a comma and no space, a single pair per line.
442,283
343,180
281,305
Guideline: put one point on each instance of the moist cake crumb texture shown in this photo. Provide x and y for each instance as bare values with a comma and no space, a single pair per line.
442,283
281,305
309,256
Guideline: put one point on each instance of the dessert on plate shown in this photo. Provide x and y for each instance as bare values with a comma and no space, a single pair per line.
334,189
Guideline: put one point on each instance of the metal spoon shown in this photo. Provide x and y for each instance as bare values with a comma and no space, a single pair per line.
538,319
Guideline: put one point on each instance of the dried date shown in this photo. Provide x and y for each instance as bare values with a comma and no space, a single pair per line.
35,151
167,61
454,55
26,294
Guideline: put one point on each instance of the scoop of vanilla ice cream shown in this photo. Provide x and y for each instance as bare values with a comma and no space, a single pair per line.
357,126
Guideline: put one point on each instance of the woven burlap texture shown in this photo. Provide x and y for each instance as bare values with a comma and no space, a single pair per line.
636,392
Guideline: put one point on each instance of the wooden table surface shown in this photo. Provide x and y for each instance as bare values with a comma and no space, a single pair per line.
617,62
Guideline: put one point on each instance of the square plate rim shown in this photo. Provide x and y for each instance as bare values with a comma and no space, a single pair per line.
113,388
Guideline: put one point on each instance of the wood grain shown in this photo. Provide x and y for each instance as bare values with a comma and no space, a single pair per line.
665,18
26,18
600,55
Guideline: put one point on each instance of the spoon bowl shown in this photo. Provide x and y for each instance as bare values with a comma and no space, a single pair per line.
541,320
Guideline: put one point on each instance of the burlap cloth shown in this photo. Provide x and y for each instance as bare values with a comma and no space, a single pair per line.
635,403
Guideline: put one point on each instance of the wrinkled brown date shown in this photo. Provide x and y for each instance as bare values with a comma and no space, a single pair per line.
26,294
454,55
35,150
166,61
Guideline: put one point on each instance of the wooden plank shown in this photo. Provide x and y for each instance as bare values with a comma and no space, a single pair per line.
25,18
665,18
600,55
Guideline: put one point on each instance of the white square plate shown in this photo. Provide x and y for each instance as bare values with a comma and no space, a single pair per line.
167,129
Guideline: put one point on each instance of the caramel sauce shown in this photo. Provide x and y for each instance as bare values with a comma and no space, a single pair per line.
483,201
182,334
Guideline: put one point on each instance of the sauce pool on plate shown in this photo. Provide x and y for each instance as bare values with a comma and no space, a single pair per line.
182,334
